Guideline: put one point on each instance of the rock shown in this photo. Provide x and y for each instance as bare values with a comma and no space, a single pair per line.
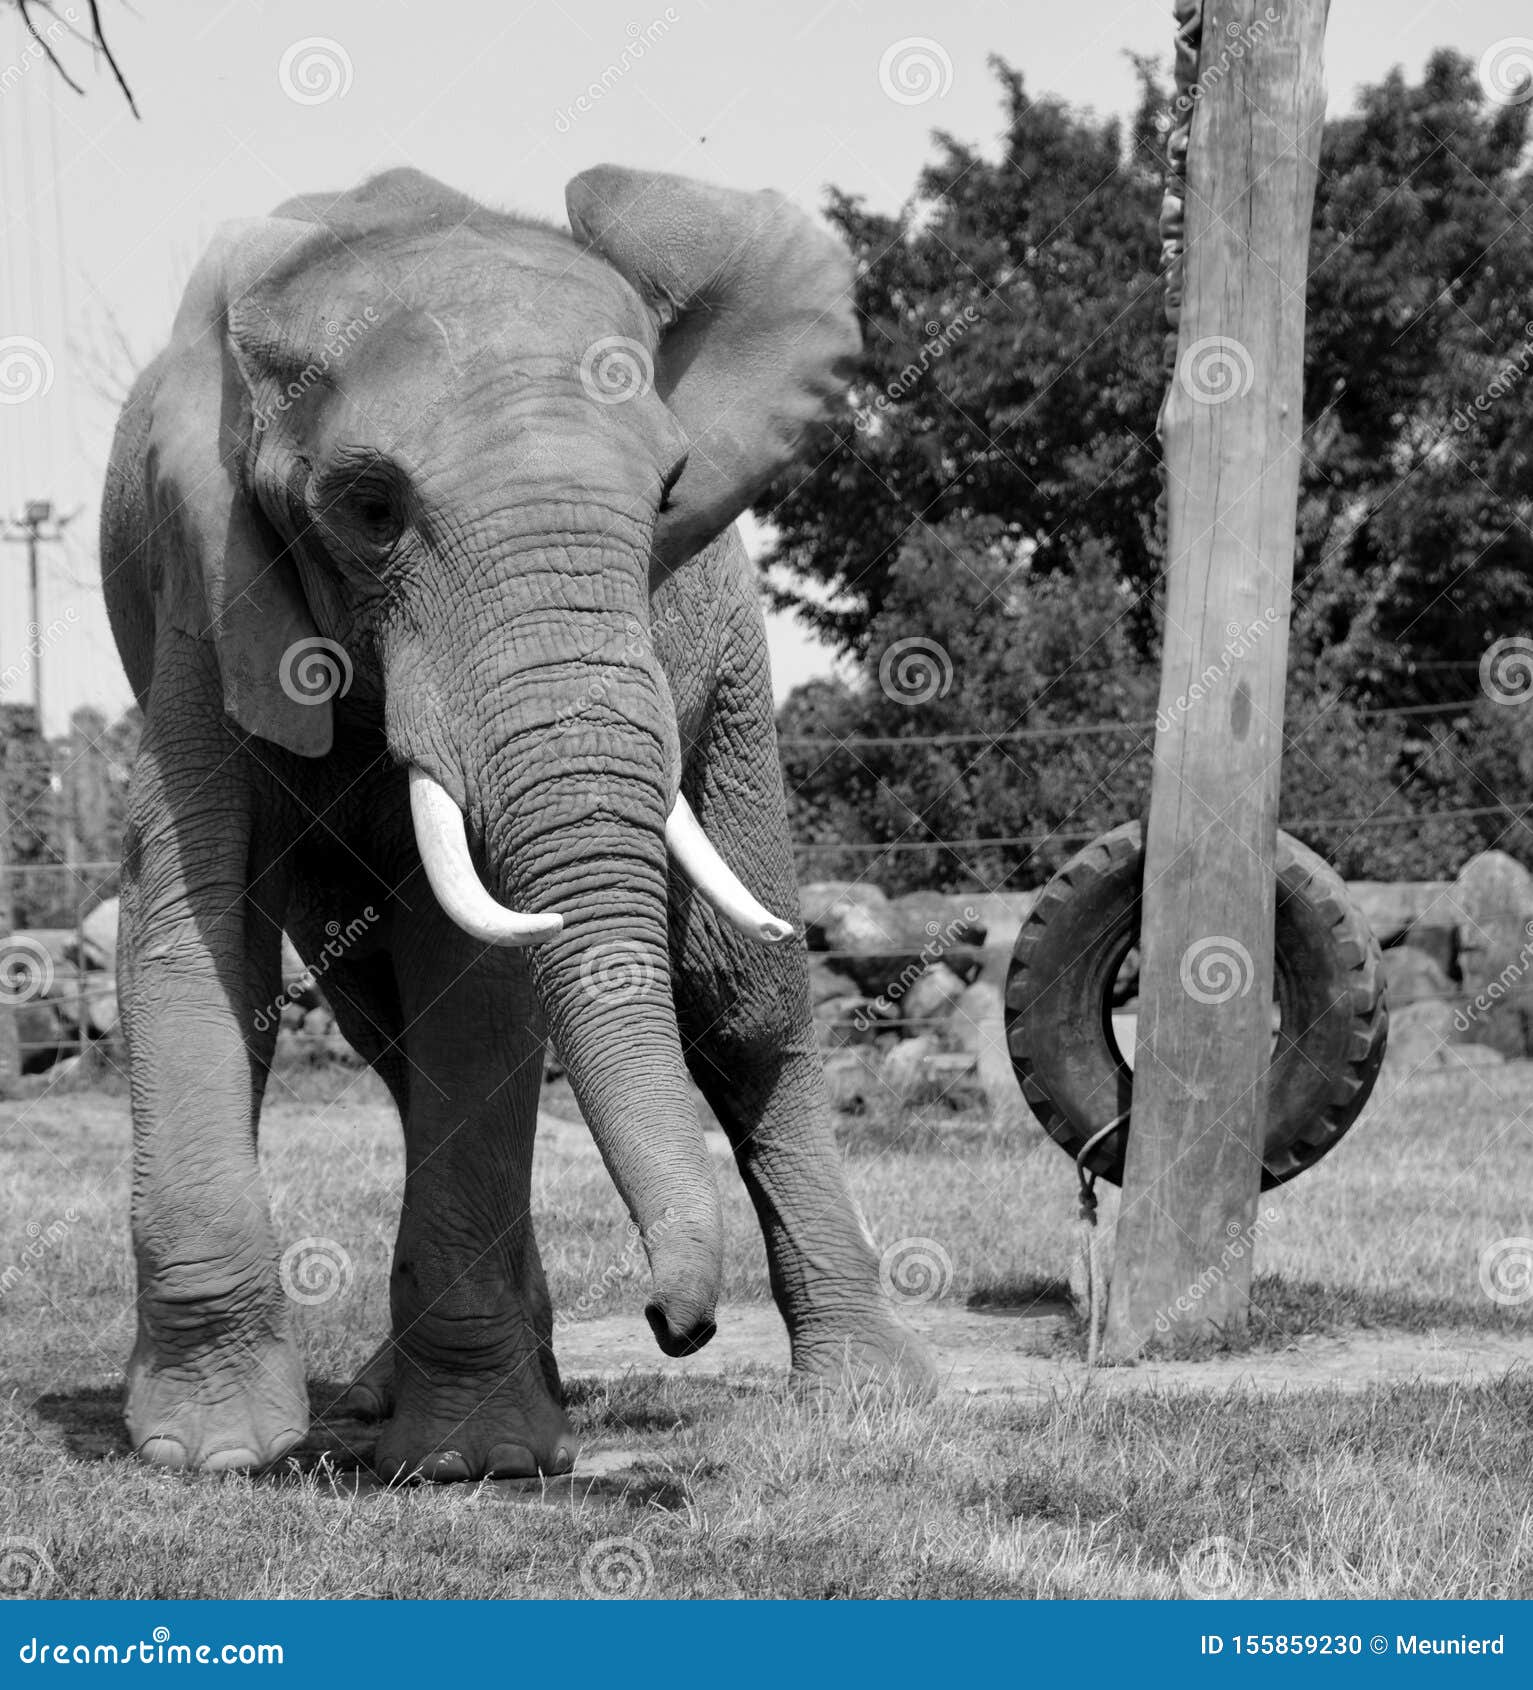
850,1080
904,1070
1417,1033
1406,912
933,997
978,1026
850,1021
1426,1038
317,1023
100,929
824,982
1494,898
1413,976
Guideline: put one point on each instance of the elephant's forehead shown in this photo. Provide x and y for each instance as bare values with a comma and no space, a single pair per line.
531,283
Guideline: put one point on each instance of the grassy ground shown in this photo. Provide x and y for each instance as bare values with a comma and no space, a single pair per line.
708,1488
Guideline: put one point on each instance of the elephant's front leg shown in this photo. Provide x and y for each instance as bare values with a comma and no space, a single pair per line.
746,1025
475,1389
214,1380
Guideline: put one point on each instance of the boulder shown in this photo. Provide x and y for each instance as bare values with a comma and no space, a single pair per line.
100,930
1413,976
1408,912
850,1020
1425,1038
931,1000
1493,896
978,1027
904,1070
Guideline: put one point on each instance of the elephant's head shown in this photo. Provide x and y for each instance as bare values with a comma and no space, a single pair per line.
458,447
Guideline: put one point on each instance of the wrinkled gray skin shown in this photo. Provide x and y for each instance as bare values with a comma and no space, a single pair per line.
371,426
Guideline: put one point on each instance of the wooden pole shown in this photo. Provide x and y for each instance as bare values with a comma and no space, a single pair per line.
10,1046
1231,428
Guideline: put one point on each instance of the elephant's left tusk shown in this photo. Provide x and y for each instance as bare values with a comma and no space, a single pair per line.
717,881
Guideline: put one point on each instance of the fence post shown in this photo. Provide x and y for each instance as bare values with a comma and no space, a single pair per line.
1232,428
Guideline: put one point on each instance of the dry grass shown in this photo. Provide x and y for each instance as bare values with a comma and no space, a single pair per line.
733,1490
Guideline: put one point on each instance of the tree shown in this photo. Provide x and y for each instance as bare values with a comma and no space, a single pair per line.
992,493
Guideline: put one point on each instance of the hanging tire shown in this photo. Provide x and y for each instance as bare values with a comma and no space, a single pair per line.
1328,983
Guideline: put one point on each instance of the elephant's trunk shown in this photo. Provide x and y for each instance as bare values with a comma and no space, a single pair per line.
567,804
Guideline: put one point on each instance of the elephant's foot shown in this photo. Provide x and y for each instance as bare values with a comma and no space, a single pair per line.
873,1354
370,1396
231,1406
451,1426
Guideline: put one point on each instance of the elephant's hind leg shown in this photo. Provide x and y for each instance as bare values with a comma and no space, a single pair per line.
214,1380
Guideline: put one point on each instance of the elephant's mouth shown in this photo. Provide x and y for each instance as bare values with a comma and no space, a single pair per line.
442,840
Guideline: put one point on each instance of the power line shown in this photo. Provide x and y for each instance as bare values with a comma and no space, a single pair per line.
1071,730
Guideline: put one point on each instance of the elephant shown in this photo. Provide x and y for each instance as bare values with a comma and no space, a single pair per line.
419,550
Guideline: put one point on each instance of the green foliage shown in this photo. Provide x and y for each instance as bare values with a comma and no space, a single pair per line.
992,492
66,804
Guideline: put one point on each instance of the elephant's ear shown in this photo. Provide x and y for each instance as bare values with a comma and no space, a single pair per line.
239,588
757,330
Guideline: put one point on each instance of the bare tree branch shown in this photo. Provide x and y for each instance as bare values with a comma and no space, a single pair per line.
97,40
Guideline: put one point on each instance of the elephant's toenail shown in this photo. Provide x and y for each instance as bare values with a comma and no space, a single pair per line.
446,1467
564,1459
231,1461
163,1451
363,1402
510,1461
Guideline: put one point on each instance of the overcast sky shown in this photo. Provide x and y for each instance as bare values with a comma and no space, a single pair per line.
245,103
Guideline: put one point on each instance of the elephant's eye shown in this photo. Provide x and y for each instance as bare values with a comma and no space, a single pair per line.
363,504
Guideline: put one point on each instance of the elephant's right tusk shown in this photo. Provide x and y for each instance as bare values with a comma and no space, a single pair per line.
717,881
442,841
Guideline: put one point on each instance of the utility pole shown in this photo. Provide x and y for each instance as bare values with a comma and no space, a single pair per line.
38,523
